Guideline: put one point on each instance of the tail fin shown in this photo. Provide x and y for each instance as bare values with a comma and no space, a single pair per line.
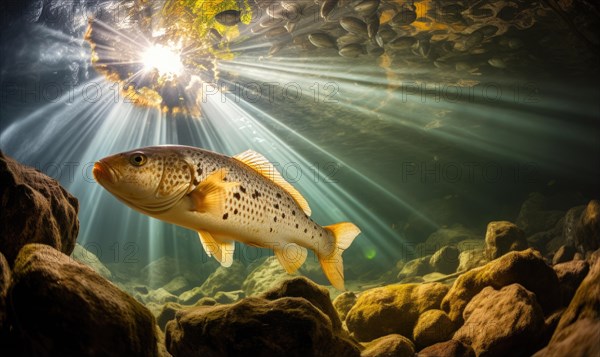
332,262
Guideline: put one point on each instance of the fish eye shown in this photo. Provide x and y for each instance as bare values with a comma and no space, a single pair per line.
138,159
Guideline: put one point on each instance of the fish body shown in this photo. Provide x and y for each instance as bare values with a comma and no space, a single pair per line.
226,199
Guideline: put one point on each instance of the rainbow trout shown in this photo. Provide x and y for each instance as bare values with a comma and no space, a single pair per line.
225,199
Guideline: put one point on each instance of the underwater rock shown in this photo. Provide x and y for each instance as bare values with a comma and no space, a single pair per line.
433,326
448,236
159,272
571,221
264,277
35,209
229,297
162,271
472,258
177,285
255,326
206,301
564,254
4,285
502,237
167,313
392,309
393,345
587,232
539,213
445,260
343,303
96,318
570,275
450,348
190,297
304,288
502,322
548,241
159,296
90,259
578,330
416,267
224,279
525,267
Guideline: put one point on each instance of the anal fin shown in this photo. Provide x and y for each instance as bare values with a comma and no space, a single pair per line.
291,257
222,250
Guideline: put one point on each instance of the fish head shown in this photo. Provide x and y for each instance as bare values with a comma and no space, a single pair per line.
151,180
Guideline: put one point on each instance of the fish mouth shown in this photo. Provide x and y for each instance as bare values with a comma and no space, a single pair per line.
103,172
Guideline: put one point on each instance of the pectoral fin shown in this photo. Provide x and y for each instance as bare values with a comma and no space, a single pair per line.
210,195
222,250
291,257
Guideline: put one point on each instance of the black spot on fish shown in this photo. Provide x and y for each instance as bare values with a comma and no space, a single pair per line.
235,211
276,206
271,230
278,195
256,194
243,189
237,195
199,171
196,181
283,215
305,230
225,215
296,225
274,219
315,227
293,213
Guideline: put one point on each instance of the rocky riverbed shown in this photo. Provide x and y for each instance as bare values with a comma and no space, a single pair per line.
529,287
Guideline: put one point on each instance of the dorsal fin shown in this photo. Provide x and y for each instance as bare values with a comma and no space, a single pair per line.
260,164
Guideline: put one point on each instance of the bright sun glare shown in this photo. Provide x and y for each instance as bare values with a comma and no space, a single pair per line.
163,59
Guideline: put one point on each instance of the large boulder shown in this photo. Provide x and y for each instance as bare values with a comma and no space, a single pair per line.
61,307
447,236
343,303
414,268
254,326
90,259
264,277
502,237
222,279
304,288
445,260
502,322
587,233
563,254
578,330
525,267
34,208
392,309
4,285
389,346
471,258
433,326
570,275
450,348
540,213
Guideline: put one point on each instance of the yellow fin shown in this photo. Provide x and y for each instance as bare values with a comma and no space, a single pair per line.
260,164
291,257
332,262
221,250
344,233
211,193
